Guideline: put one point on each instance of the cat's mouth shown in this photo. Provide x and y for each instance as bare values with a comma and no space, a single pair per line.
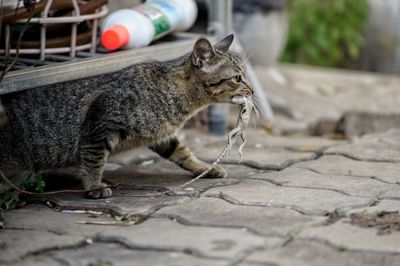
239,99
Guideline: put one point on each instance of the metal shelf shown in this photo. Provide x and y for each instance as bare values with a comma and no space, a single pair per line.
33,77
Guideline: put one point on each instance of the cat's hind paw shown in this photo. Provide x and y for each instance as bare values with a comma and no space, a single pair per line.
98,194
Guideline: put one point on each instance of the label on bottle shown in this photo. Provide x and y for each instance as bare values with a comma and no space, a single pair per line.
156,16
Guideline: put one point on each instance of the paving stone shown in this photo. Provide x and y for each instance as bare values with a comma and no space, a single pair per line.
351,185
124,202
40,218
322,98
111,254
139,187
312,253
392,194
367,151
269,158
261,139
288,98
38,261
390,137
262,151
286,126
340,165
257,192
383,205
171,235
246,263
217,212
281,151
152,234
15,244
357,123
240,172
165,175
346,236
234,171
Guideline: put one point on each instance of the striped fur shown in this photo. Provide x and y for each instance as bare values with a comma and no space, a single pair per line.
80,123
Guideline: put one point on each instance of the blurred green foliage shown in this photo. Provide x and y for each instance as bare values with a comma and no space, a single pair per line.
325,32
11,199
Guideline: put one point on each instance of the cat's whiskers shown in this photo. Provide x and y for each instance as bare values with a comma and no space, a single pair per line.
247,57
244,53
256,105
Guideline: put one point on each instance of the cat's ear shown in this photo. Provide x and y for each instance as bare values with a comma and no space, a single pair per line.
203,51
225,43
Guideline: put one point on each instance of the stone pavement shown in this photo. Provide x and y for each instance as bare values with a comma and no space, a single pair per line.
322,100
293,201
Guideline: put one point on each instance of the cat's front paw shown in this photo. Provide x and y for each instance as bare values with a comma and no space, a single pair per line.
216,172
101,193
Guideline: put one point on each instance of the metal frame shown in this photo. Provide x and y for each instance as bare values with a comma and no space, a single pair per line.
44,20
95,65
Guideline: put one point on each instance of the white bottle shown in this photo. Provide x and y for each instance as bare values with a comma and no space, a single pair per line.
137,27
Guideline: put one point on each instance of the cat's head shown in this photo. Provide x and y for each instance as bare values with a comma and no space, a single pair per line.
220,71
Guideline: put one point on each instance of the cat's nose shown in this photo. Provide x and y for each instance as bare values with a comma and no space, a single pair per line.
249,88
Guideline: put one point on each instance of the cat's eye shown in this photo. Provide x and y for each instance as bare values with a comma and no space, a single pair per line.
237,78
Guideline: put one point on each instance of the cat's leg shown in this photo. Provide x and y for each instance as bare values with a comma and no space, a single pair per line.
178,153
91,166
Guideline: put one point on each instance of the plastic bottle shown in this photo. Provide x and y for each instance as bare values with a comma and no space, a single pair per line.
137,27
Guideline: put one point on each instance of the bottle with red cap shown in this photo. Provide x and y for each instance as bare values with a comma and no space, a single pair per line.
138,27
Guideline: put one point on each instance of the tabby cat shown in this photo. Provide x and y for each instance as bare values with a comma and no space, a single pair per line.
80,123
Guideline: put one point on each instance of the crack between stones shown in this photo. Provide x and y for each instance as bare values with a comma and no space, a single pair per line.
288,238
242,256
355,158
22,229
126,244
114,240
42,251
291,207
139,217
304,187
389,198
358,176
54,232
271,167
331,246
338,248
346,209
286,164
321,188
316,156
247,253
186,222
320,150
